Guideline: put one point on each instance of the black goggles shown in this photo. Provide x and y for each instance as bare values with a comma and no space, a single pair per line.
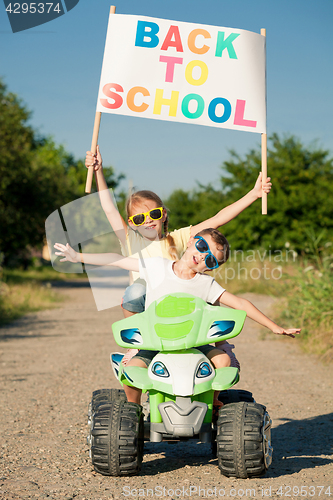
202,246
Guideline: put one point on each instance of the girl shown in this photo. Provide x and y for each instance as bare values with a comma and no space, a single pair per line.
147,230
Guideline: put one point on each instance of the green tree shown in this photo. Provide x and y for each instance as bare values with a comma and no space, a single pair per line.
193,207
36,178
301,199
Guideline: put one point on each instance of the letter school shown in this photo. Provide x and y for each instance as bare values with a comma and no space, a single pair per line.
138,100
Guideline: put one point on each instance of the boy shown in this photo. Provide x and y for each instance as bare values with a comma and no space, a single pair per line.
207,250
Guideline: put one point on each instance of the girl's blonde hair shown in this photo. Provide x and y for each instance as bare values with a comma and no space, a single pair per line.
140,196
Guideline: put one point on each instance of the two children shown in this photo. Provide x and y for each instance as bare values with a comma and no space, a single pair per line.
206,250
147,231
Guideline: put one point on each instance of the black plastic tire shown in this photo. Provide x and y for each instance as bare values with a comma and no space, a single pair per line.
117,439
103,396
243,440
227,397
235,396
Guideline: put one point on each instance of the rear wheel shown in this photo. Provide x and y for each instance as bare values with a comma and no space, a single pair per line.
244,440
117,439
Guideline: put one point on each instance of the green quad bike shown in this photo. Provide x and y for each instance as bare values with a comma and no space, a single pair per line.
181,382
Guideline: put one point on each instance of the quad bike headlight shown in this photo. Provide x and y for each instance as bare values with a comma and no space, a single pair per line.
160,369
204,370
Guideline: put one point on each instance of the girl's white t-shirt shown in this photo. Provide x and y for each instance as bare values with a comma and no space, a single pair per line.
161,280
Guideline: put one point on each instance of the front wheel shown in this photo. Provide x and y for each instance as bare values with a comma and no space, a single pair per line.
235,396
117,439
244,440
226,397
101,397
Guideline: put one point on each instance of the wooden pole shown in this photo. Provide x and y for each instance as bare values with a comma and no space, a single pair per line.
264,171
263,158
95,134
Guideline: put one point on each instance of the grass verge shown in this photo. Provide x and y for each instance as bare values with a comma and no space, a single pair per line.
27,291
309,304
304,287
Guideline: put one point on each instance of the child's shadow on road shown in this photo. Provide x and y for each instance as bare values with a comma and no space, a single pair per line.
302,444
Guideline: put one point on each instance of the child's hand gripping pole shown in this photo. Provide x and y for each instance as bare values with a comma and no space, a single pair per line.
93,150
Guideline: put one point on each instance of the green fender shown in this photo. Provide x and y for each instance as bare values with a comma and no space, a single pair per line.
127,376
178,321
225,378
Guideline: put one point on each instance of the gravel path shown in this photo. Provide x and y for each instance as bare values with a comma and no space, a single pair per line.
53,360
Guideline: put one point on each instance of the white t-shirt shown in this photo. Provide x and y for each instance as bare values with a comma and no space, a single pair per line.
137,246
161,280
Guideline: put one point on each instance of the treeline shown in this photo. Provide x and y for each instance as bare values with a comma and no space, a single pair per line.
37,177
300,205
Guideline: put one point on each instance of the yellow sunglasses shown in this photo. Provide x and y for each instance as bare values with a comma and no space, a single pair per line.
154,214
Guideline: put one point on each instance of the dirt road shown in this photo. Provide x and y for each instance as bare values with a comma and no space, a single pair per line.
52,361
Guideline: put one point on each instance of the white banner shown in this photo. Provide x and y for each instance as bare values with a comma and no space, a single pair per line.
184,72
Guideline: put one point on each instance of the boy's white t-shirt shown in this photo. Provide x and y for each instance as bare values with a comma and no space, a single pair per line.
139,247
161,280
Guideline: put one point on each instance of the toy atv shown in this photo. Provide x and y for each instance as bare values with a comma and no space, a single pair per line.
181,382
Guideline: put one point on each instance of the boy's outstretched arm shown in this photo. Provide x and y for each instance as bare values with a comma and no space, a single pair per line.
231,211
97,259
117,222
228,299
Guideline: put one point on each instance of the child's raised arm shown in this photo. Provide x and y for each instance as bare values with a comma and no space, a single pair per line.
117,222
97,259
230,300
231,211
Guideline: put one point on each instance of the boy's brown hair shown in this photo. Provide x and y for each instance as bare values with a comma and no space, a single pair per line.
220,240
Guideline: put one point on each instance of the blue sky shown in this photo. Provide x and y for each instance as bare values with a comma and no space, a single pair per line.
55,68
